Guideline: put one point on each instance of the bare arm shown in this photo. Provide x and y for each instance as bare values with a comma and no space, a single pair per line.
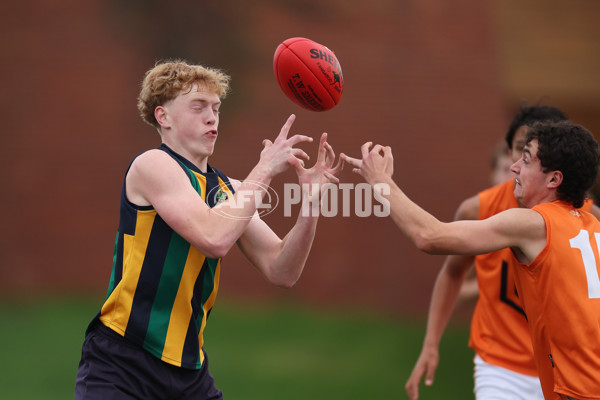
523,230
156,179
520,229
443,301
281,261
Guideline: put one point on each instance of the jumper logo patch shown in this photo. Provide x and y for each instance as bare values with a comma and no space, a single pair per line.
220,196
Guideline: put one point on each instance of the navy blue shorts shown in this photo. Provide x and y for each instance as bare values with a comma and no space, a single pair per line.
113,368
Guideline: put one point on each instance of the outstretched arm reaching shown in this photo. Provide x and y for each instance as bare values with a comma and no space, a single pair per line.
281,261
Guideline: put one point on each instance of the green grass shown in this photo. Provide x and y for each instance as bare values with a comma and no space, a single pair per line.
275,352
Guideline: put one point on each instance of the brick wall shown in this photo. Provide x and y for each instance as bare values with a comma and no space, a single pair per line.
421,76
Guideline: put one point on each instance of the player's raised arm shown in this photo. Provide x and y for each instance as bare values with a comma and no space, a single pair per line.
512,228
156,179
281,261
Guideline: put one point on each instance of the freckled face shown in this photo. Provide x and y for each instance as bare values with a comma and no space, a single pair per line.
194,120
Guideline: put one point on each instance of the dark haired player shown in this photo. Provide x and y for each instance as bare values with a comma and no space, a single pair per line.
555,243
504,363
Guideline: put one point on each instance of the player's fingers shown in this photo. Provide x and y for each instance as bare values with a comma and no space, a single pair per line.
377,149
355,162
338,167
415,394
299,153
266,143
322,155
330,155
364,149
411,389
430,374
332,178
295,162
285,129
387,151
294,140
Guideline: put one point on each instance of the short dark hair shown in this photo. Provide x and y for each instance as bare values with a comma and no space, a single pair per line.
571,149
528,115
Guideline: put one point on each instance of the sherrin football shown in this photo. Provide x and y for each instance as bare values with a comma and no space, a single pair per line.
308,73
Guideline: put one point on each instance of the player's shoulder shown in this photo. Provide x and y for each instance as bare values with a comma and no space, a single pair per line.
152,156
154,159
521,222
154,164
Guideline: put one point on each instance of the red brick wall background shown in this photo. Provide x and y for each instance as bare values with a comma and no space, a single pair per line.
426,77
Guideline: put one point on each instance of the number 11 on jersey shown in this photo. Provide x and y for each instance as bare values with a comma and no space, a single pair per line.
582,242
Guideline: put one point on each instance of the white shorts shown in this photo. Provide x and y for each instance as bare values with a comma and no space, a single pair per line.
497,383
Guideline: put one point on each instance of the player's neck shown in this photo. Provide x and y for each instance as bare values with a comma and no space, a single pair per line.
199,159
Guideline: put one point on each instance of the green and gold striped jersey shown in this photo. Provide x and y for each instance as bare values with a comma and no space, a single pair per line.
161,288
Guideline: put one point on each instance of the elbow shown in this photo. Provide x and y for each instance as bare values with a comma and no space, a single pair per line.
285,283
283,280
215,248
222,249
426,244
433,238
216,253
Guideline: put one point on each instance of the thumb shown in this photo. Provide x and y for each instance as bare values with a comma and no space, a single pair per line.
297,163
266,143
429,377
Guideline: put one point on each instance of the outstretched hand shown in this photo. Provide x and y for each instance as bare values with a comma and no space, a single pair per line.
375,165
323,171
281,153
425,367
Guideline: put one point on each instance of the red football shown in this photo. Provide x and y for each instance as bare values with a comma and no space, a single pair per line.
308,73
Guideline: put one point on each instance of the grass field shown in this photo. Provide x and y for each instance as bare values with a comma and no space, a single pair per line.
275,352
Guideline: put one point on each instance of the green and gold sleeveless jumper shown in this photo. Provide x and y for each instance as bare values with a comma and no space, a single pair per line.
161,288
